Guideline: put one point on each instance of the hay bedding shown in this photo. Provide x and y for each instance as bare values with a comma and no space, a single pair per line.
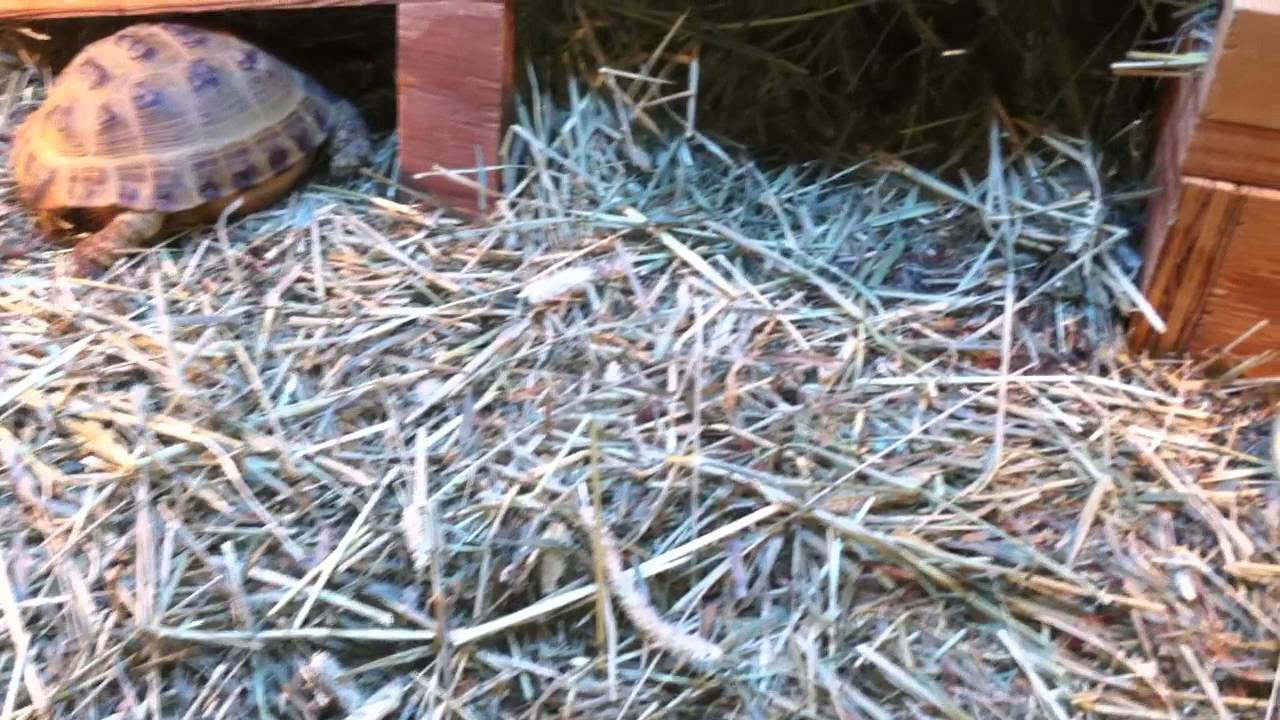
672,436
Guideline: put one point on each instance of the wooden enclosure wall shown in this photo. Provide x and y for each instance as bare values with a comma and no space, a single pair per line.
1212,256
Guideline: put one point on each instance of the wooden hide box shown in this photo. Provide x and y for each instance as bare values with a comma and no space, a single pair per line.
1212,256
454,70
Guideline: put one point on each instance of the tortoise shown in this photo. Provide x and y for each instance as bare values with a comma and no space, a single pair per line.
163,125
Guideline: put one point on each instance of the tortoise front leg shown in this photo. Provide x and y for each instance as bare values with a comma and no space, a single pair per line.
47,227
350,143
93,255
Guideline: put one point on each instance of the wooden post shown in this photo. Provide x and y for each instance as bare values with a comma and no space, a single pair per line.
1212,256
455,69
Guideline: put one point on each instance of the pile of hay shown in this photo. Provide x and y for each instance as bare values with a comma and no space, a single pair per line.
674,434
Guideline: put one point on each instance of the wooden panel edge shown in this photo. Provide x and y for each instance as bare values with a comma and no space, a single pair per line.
1187,238
1198,135
1240,318
455,76
1237,153
1240,85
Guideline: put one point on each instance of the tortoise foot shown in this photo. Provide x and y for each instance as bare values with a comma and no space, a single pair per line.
20,247
351,143
93,255
82,266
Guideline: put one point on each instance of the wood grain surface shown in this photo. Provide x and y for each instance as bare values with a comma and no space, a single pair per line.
1224,123
1242,85
1217,270
1245,287
1208,267
455,70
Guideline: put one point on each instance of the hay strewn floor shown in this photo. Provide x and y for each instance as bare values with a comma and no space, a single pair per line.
835,444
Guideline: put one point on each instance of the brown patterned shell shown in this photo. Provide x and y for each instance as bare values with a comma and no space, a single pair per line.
165,117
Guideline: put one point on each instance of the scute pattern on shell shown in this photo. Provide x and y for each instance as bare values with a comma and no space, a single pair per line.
165,117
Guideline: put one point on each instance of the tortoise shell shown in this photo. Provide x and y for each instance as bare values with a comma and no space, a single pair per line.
166,117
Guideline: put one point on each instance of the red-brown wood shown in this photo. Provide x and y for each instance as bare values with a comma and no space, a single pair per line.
1218,260
1244,87
455,72
1212,268
1225,122
1190,229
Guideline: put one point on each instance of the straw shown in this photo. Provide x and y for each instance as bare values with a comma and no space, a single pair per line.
674,432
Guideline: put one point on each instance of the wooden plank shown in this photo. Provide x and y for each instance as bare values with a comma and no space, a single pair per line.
1240,153
1245,287
1236,134
56,9
1218,272
455,70
1224,122
1188,234
1243,86
1177,120
1208,269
